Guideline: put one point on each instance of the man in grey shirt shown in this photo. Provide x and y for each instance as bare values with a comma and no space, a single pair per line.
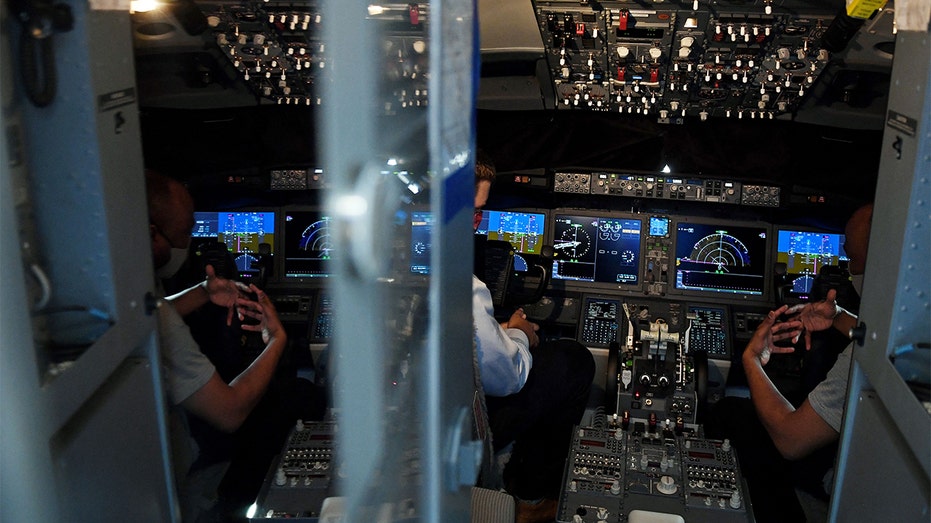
775,440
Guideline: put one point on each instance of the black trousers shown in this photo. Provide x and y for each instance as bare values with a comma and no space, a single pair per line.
539,418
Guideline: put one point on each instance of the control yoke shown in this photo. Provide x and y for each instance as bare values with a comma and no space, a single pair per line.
495,265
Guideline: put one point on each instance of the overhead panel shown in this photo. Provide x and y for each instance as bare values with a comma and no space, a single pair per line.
672,62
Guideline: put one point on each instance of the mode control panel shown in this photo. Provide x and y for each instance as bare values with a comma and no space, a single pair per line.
665,187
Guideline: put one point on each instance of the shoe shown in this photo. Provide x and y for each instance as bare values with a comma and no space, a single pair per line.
543,511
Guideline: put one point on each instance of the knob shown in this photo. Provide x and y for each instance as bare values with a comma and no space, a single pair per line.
645,379
858,333
667,485
735,500
616,487
623,51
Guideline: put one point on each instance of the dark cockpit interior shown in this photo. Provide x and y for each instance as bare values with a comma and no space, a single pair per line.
667,173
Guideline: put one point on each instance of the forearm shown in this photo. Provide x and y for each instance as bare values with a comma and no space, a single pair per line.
844,322
250,385
191,299
772,408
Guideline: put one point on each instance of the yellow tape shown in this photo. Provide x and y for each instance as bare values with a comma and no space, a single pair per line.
863,8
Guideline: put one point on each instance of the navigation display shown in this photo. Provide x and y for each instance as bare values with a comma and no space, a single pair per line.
308,246
721,258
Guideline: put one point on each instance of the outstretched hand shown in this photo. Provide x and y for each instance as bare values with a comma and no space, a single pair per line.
263,311
224,292
763,343
816,316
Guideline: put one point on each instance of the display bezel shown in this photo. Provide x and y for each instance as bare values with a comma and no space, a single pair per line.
763,267
243,275
779,230
285,262
539,214
417,261
559,278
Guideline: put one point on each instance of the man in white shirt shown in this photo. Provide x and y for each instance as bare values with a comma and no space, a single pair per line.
535,391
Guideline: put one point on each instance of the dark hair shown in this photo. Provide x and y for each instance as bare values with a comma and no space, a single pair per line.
484,167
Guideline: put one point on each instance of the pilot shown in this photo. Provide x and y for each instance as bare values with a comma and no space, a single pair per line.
780,446
536,392
827,345
192,380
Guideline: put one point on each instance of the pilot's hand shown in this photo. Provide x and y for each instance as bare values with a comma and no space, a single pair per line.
263,311
223,292
816,316
763,343
518,320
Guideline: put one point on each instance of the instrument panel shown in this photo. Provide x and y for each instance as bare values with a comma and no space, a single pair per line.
600,262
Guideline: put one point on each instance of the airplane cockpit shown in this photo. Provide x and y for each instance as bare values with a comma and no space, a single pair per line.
666,174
